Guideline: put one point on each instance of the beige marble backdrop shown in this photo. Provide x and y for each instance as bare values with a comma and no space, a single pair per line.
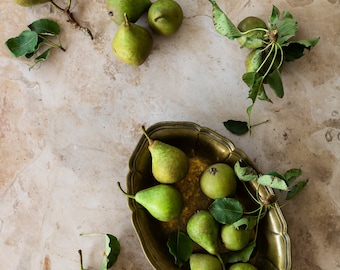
67,129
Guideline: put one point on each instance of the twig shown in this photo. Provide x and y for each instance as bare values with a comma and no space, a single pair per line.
71,19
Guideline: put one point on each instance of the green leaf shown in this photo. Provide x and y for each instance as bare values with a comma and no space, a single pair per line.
243,255
249,222
256,88
272,181
286,29
112,250
274,17
275,82
291,175
236,127
226,210
296,189
245,173
222,23
180,247
23,44
295,49
41,58
45,27
287,14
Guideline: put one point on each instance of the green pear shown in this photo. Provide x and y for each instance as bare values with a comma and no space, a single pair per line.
203,229
163,202
132,43
252,39
169,163
201,261
165,17
133,8
242,266
234,238
253,60
218,181
30,3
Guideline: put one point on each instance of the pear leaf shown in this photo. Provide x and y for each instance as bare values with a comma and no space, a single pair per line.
41,58
296,189
112,250
226,210
245,173
272,181
180,247
45,27
249,222
222,23
236,127
274,17
295,49
275,82
291,175
243,255
286,29
23,44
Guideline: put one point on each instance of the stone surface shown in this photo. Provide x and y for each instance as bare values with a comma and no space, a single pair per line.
67,128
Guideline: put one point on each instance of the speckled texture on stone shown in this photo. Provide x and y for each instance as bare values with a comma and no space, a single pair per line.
67,129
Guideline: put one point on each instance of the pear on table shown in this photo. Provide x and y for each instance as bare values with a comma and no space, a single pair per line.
163,202
169,163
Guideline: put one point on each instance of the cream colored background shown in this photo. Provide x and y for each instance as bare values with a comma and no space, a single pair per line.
68,128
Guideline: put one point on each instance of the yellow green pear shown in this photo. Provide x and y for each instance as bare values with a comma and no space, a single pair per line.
218,181
163,202
133,8
202,261
29,3
165,17
251,39
132,43
169,164
203,229
234,238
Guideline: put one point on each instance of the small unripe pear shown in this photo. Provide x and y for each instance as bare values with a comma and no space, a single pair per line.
201,261
242,266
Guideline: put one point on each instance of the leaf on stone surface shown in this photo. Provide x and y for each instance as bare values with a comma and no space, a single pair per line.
45,27
246,173
222,23
275,82
295,49
180,247
296,189
256,88
272,181
23,44
291,175
112,250
41,58
274,17
236,127
287,14
286,29
243,255
226,210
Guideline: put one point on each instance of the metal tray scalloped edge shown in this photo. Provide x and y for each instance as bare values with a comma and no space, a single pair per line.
277,257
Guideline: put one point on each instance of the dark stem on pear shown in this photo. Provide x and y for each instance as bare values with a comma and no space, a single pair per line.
71,19
126,20
126,194
146,135
81,259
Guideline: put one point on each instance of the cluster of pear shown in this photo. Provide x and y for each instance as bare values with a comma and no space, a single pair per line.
169,165
132,43
217,181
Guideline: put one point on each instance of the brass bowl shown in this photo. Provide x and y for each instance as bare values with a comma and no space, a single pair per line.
203,147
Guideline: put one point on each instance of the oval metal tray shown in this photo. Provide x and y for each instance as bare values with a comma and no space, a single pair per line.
203,147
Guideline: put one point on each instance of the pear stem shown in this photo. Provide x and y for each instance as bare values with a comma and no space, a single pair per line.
221,261
146,135
126,194
126,20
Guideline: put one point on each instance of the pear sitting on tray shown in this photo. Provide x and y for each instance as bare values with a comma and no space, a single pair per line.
169,163
163,202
